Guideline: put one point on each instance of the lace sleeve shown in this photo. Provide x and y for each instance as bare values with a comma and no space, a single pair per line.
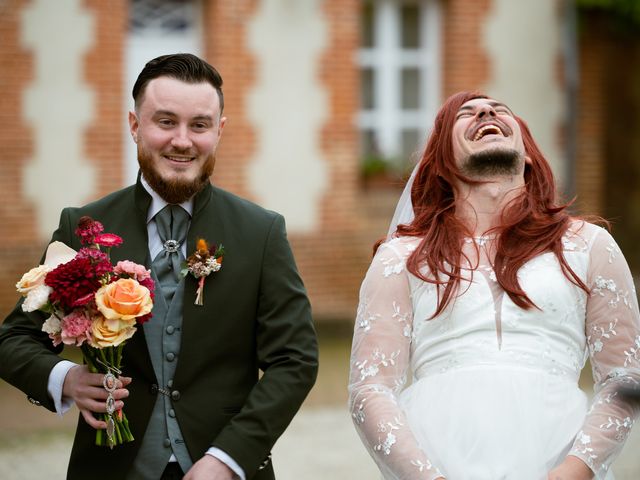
379,365
613,338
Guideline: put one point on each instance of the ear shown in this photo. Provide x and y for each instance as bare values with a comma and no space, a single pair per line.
133,125
221,124
527,160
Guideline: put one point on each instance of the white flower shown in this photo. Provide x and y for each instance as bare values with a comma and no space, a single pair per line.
52,325
584,438
33,279
36,298
597,346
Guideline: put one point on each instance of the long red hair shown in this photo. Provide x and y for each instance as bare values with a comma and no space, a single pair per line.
533,223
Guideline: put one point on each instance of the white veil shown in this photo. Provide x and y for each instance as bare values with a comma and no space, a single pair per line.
404,209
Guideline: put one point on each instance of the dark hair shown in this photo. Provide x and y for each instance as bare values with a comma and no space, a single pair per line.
181,66
532,224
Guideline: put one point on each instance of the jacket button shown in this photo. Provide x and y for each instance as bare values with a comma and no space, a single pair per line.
170,329
175,395
172,413
166,443
170,383
171,356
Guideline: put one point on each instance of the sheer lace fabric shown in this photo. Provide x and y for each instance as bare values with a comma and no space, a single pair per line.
494,388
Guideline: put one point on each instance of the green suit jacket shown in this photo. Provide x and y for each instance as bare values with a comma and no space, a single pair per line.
256,318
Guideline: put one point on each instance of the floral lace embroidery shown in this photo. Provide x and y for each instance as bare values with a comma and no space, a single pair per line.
364,317
358,414
422,466
622,427
613,251
584,447
379,359
603,285
633,354
402,318
390,439
596,344
391,268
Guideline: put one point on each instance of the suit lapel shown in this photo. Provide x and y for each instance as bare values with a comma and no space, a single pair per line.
207,223
131,224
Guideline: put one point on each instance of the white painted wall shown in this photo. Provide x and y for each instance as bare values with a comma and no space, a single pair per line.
288,108
523,41
58,106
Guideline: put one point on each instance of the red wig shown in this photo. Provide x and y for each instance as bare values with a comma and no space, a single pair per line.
533,223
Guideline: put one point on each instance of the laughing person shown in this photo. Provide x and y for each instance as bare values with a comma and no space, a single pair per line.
486,298
197,404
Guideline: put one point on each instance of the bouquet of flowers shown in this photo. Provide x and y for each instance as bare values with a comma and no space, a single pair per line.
93,305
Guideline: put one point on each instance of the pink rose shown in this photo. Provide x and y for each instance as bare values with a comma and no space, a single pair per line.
131,269
76,328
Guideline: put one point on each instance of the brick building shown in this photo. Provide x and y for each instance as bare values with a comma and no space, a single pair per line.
316,92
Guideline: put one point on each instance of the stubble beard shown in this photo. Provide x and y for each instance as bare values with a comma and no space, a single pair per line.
492,162
173,190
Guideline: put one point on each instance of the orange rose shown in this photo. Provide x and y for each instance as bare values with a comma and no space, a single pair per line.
110,333
124,300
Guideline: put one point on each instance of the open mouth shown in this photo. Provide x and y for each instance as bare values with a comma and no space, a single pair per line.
488,129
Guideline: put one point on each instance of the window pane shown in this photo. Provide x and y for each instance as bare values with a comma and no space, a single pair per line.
410,88
367,88
410,28
165,16
410,144
368,147
367,31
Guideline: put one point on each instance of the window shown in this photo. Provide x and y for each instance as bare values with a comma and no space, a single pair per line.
399,78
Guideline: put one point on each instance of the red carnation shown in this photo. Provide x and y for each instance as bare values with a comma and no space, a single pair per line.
108,240
87,229
71,282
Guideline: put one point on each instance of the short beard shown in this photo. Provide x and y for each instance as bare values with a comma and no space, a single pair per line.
173,191
492,162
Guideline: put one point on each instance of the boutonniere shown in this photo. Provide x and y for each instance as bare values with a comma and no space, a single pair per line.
205,260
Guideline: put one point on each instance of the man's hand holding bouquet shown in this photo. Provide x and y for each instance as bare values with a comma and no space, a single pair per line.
93,305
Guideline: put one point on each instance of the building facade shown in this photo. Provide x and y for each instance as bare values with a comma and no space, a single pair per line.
320,95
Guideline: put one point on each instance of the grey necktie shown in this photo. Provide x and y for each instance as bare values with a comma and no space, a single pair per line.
172,222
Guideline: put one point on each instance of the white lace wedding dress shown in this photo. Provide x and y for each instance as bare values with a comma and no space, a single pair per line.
493,389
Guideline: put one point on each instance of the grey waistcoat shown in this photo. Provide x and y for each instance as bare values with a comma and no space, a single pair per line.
163,436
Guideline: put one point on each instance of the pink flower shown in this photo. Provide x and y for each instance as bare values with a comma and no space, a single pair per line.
75,328
127,268
108,240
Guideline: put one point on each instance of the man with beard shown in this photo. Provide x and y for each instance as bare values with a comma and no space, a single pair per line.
490,297
207,388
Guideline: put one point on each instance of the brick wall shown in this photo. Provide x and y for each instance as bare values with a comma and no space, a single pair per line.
333,259
465,63
104,72
226,49
20,244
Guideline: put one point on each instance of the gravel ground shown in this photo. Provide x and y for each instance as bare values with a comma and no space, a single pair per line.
320,443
